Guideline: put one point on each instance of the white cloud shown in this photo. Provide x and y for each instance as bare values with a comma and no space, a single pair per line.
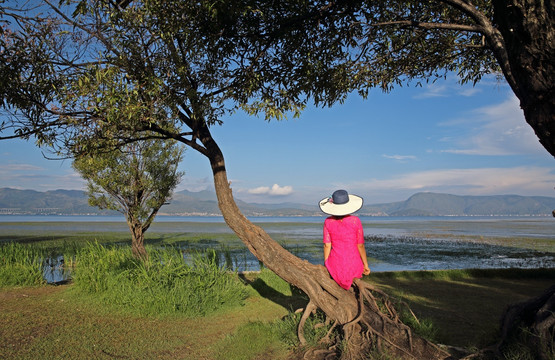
433,90
494,130
275,190
469,91
487,181
195,184
400,157
452,87
27,176
19,167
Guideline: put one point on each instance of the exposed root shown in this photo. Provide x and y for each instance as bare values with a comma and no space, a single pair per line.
536,317
367,290
326,339
377,325
310,307
320,354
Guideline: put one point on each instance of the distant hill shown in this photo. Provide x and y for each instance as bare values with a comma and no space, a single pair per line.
433,204
74,202
32,202
203,203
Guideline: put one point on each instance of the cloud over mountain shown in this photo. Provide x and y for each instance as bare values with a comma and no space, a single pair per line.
275,190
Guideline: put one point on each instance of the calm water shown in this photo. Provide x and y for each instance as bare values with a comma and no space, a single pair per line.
392,244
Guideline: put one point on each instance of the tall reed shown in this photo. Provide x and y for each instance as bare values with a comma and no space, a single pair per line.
163,285
21,265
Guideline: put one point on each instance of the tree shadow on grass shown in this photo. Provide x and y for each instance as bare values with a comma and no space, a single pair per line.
466,310
292,302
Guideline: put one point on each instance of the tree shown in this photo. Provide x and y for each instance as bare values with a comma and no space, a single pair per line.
136,180
199,61
422,38
387,43
196,61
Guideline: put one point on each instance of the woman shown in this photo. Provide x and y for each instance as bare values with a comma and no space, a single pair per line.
344,252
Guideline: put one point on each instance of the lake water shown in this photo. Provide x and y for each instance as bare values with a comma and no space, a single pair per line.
392,243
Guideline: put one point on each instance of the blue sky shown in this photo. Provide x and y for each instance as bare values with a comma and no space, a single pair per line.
441,137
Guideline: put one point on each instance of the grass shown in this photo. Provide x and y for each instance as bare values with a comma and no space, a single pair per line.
54,323
21,265
465,306
164,285
456,307
57,322
111,276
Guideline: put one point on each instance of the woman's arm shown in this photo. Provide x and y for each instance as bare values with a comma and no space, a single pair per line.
362,252
327,250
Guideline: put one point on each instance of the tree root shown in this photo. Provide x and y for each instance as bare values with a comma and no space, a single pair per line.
310,307
377,325
326,339
535,317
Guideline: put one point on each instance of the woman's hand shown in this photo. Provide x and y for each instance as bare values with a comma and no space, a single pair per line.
366,270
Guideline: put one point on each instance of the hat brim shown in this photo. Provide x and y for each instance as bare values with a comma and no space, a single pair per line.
354,204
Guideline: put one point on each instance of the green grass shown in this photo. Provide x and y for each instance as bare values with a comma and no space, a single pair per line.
270,339
124,309
254,340
164,285
273,283
20,265
54,323
110,275
465,306
59,322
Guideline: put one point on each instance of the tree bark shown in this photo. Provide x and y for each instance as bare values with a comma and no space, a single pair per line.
528,30
536,317
361,321
137,240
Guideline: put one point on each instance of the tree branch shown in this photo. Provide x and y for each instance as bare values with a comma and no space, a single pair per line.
492,34
412,23
97,35
176,136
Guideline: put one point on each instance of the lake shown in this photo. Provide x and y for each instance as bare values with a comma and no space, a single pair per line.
392,243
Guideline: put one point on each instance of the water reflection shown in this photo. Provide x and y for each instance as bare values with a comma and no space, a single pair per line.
54,270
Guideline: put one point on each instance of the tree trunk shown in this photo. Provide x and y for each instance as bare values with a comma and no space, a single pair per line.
535,318
528,29
137,240
360,324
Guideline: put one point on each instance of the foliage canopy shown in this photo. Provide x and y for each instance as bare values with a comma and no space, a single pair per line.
135,180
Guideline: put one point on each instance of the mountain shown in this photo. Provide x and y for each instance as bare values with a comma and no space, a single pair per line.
204,203
433,204
74,202
14,201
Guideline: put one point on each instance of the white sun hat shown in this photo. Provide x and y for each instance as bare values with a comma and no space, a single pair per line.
341,203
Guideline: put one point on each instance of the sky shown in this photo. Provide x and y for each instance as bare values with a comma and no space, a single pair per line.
441,137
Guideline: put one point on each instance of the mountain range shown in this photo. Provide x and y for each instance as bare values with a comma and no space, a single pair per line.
204,203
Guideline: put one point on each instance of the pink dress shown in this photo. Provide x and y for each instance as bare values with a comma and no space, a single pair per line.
344,262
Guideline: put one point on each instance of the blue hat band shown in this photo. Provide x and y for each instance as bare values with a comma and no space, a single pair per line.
340,197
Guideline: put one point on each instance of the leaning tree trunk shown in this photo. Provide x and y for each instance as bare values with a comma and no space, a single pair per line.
528,31
361,320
